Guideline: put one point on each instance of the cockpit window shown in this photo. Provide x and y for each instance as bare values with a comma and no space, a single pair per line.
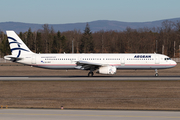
167,58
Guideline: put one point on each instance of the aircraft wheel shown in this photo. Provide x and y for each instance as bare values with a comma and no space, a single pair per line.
156,74
90,74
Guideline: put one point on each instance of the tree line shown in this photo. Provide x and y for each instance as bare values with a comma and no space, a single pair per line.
164,39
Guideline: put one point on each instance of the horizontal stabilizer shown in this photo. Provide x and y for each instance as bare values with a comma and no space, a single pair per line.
12,58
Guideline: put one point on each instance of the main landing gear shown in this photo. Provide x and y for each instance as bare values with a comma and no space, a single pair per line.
90,74
156,73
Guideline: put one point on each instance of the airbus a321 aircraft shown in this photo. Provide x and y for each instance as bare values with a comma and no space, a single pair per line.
101,63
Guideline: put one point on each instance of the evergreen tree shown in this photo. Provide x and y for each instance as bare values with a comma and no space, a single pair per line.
45,36
86,43
21,35
58,41
39,43
63,43
4,47
54,45
29,39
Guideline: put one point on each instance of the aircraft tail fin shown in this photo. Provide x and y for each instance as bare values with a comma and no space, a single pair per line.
17,46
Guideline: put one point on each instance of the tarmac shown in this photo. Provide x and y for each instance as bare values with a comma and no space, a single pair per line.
57,114
83,78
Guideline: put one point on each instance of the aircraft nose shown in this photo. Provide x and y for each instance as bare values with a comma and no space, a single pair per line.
174,63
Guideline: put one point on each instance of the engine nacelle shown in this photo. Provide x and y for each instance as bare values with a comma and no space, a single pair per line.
107,70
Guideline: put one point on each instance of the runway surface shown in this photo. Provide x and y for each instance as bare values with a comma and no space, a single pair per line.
89,78
42,114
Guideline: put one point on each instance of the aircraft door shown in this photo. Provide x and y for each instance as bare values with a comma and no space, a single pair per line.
122,61
157,61
33,59
79,58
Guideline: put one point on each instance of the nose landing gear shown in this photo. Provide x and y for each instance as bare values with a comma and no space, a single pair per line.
156,73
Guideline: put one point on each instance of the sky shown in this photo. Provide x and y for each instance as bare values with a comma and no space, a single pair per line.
77,11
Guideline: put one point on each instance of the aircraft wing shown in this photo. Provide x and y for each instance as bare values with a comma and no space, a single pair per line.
84,65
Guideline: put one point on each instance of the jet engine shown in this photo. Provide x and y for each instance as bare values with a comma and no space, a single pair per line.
107,70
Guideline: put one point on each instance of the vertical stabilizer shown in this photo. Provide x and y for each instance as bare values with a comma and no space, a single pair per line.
17,46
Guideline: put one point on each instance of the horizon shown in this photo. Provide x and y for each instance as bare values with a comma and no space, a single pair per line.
92,21
98,25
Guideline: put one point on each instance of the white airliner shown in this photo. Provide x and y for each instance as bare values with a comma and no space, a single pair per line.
102,63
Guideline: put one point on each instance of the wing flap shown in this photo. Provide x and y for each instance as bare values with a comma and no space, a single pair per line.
88,63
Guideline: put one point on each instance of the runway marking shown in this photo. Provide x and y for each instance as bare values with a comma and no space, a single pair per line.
121,78
120,116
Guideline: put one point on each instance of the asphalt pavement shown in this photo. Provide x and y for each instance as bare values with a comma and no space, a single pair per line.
89,78
48,114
